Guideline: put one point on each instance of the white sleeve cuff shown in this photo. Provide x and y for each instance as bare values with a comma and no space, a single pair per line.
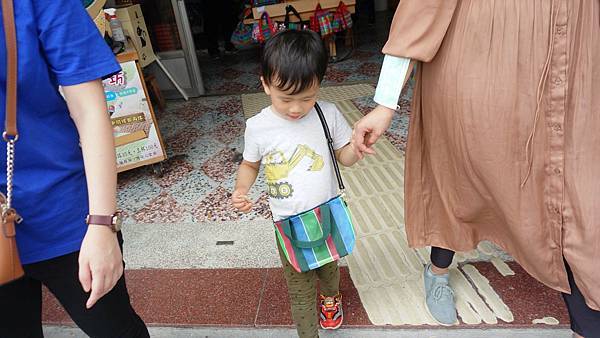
392,75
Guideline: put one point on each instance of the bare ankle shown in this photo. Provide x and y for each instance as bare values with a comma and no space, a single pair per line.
438,271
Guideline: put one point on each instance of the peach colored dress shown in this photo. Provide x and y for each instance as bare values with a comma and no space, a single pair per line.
504,140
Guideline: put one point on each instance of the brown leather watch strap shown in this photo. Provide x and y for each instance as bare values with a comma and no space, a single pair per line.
100,220
112,221
11,69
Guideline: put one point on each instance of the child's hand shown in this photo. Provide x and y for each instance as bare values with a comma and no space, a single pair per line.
347,155
241,201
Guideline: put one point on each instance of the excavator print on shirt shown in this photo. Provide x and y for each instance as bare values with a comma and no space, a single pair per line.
278,168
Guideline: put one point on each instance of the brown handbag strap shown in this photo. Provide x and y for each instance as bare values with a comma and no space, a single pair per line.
10,127
10,134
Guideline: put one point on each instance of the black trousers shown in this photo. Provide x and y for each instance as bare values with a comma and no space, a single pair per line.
442,258
584,320
21,302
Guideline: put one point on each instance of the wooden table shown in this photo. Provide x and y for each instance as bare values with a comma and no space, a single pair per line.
130,54
306,9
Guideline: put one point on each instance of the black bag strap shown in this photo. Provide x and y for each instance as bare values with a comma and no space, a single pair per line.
289,9
331,150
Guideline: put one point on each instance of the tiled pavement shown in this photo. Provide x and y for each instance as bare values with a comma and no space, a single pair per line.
204,138
288,332
258,298
174,219
173,281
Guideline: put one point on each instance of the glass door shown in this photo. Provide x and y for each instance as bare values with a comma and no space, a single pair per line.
171,36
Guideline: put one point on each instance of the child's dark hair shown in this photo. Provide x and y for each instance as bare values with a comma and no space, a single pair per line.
294,60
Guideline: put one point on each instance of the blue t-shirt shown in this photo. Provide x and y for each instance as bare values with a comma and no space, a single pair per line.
58,45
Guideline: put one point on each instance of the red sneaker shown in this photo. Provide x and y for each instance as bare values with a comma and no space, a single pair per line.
331,316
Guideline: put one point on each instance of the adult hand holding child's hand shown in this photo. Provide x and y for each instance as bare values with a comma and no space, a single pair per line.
368,130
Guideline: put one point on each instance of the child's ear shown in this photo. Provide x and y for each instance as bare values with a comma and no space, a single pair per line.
265,86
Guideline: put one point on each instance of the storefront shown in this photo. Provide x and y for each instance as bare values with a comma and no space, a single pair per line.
171,36
172,29
164,56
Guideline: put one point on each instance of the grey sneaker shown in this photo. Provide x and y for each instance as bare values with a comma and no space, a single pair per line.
439,297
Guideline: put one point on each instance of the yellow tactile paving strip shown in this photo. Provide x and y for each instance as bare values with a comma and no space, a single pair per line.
386,272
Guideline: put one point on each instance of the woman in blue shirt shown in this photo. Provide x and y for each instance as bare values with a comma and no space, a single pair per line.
64,170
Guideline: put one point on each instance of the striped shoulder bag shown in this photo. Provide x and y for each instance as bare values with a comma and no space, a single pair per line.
320,235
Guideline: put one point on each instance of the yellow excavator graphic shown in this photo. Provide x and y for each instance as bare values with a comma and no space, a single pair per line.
278,167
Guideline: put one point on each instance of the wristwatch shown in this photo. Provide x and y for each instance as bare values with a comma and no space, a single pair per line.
113,221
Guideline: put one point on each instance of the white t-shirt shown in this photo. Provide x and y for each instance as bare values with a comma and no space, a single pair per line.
298,169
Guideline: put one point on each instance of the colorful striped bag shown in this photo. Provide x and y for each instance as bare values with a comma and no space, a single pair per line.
264,29
345,15
242,35
342,19
320,235
323,20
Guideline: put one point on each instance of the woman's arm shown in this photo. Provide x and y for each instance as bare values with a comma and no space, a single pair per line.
369,128
100,258
388,87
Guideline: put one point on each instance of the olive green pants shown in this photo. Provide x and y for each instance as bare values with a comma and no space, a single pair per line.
302,289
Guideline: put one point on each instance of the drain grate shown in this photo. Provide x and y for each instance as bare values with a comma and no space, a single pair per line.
225,242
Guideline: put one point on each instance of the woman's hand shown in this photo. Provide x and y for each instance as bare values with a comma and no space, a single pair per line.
368,129
100,262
